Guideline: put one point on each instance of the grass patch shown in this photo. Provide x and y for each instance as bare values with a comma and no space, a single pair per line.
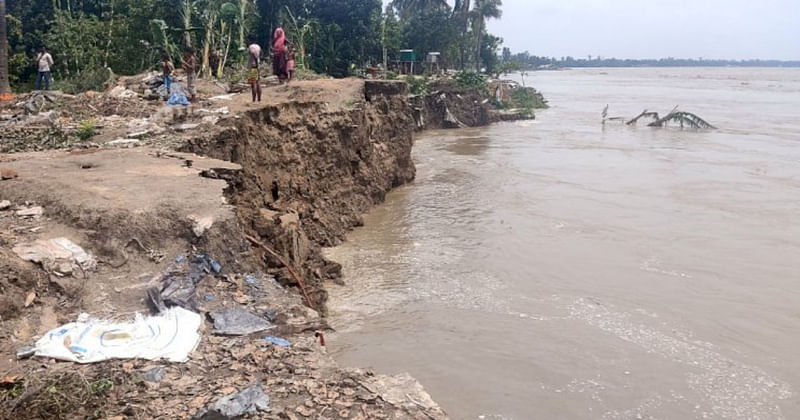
86,130
67,394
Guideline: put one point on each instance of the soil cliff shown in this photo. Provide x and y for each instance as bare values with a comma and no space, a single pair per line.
309,172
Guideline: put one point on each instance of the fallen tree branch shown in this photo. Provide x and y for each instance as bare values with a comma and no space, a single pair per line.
286,263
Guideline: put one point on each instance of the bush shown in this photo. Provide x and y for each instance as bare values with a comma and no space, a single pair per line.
469,80
97,79
527,99
391,75
86,130
417,85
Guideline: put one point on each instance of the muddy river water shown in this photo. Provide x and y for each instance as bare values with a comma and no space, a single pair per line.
562,269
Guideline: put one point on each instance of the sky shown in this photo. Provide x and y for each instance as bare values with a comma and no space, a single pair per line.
713,29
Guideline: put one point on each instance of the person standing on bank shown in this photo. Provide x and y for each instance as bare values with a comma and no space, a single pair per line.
253,64
279,59
189,64
167,68
43,62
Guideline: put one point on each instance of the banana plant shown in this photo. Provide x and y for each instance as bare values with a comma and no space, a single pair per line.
227,17
301,33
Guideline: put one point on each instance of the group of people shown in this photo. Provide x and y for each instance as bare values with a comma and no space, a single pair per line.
189,65
283,62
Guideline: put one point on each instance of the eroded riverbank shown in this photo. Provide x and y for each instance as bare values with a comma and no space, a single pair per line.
258,189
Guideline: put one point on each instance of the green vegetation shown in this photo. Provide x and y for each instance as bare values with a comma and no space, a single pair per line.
417,85
470,80
97,79
86,130
333,37
525,100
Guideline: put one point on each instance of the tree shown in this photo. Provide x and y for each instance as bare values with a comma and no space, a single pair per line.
408,8
432,30
5,87
461,16
302,30
484,9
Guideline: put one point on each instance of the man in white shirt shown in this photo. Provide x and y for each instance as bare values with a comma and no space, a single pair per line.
254,75
43,62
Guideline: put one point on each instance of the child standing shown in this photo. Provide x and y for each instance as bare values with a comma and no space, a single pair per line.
167,68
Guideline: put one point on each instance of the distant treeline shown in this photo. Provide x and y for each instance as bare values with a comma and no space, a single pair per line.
533,62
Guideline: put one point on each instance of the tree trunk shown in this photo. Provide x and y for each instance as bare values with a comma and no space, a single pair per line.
205,66
224,58
242,18
187,24
110,33
5,87
463,20
479,37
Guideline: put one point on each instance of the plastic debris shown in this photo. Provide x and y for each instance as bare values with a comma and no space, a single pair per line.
248,401
25,352
238,321
171,336
277,341
228,97
179,283
178,98
59,254
155,374
34,212
123,143
215,265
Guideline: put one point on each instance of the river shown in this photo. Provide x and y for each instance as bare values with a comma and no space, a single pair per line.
565,269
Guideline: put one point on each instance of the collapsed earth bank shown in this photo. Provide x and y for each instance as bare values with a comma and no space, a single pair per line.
262,191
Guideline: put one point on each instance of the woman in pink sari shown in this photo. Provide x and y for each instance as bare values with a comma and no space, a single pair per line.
279,50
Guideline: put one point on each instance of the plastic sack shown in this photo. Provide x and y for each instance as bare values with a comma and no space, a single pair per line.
178,98
171,336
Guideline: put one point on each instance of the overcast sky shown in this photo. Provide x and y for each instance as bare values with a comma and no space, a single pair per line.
737,29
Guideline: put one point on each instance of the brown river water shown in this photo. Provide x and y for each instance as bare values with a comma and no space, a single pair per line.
562,269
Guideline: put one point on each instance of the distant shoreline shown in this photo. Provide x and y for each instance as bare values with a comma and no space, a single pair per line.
534,62
553,68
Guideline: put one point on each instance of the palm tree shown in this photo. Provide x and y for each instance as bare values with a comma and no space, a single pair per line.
186,12
410,7
484,9
461,16
5,87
